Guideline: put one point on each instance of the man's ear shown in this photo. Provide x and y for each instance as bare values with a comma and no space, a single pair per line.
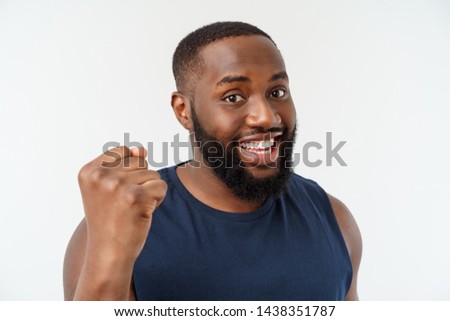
181,106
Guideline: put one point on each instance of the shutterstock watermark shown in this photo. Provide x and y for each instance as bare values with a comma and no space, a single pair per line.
267,151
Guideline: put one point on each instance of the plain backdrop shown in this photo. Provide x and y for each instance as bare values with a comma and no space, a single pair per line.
75,75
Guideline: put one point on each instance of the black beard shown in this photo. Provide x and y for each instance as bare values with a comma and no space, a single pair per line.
226,165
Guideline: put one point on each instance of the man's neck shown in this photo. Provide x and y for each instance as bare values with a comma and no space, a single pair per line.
206,187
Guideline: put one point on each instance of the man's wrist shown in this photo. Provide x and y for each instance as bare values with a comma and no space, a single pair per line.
104,278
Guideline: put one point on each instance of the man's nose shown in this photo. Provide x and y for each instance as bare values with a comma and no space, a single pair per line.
262,114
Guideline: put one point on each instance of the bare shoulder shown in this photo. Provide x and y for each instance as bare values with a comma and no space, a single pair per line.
348,225
74,260
352,237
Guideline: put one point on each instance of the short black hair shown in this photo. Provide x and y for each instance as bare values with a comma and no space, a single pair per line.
186,62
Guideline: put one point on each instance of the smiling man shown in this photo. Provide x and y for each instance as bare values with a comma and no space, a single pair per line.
233,223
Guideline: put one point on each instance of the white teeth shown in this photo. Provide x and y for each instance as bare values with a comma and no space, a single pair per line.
258,144
261,152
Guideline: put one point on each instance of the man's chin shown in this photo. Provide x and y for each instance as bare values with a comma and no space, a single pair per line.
254,183
261,172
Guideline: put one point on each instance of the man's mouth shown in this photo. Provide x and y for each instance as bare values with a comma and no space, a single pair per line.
259,147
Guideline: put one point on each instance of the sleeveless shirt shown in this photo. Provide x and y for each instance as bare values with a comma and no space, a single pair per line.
291,248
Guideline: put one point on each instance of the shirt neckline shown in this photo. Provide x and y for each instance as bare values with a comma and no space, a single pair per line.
206,209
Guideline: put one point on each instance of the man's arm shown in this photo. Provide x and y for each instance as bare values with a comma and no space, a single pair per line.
119,195
74,260
352,237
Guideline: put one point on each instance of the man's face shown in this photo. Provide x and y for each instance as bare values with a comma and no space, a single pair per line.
242,102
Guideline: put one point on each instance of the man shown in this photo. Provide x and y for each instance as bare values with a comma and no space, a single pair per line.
234,223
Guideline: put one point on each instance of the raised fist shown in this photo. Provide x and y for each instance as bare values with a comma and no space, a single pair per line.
120,195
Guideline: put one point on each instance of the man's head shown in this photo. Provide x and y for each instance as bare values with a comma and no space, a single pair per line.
233,89
187,63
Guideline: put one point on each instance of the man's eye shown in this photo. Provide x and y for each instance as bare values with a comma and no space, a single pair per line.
233,98
279,93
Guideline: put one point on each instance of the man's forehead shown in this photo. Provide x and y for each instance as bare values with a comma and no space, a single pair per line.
232,55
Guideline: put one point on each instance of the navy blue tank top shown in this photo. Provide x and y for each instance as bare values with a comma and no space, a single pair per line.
290,248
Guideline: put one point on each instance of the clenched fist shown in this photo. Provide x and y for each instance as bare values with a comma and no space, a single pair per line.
120,195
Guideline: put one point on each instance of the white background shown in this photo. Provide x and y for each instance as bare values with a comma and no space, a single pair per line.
77,74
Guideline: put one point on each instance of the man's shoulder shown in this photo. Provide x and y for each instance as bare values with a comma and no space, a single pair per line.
167,171
164,170
300,184
297,178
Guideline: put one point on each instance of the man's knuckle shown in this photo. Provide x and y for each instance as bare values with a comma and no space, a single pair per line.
137,163
83,174
143,163
113,183
130,195
159,189
163,187
97,176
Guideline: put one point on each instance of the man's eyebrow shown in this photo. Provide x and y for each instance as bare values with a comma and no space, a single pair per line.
237,78
231,79
279,75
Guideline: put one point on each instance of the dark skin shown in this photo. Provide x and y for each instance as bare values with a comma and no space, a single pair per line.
243,88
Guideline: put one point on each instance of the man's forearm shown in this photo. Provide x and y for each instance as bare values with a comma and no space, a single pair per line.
109,281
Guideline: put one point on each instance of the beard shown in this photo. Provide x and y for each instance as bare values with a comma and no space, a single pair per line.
225,161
